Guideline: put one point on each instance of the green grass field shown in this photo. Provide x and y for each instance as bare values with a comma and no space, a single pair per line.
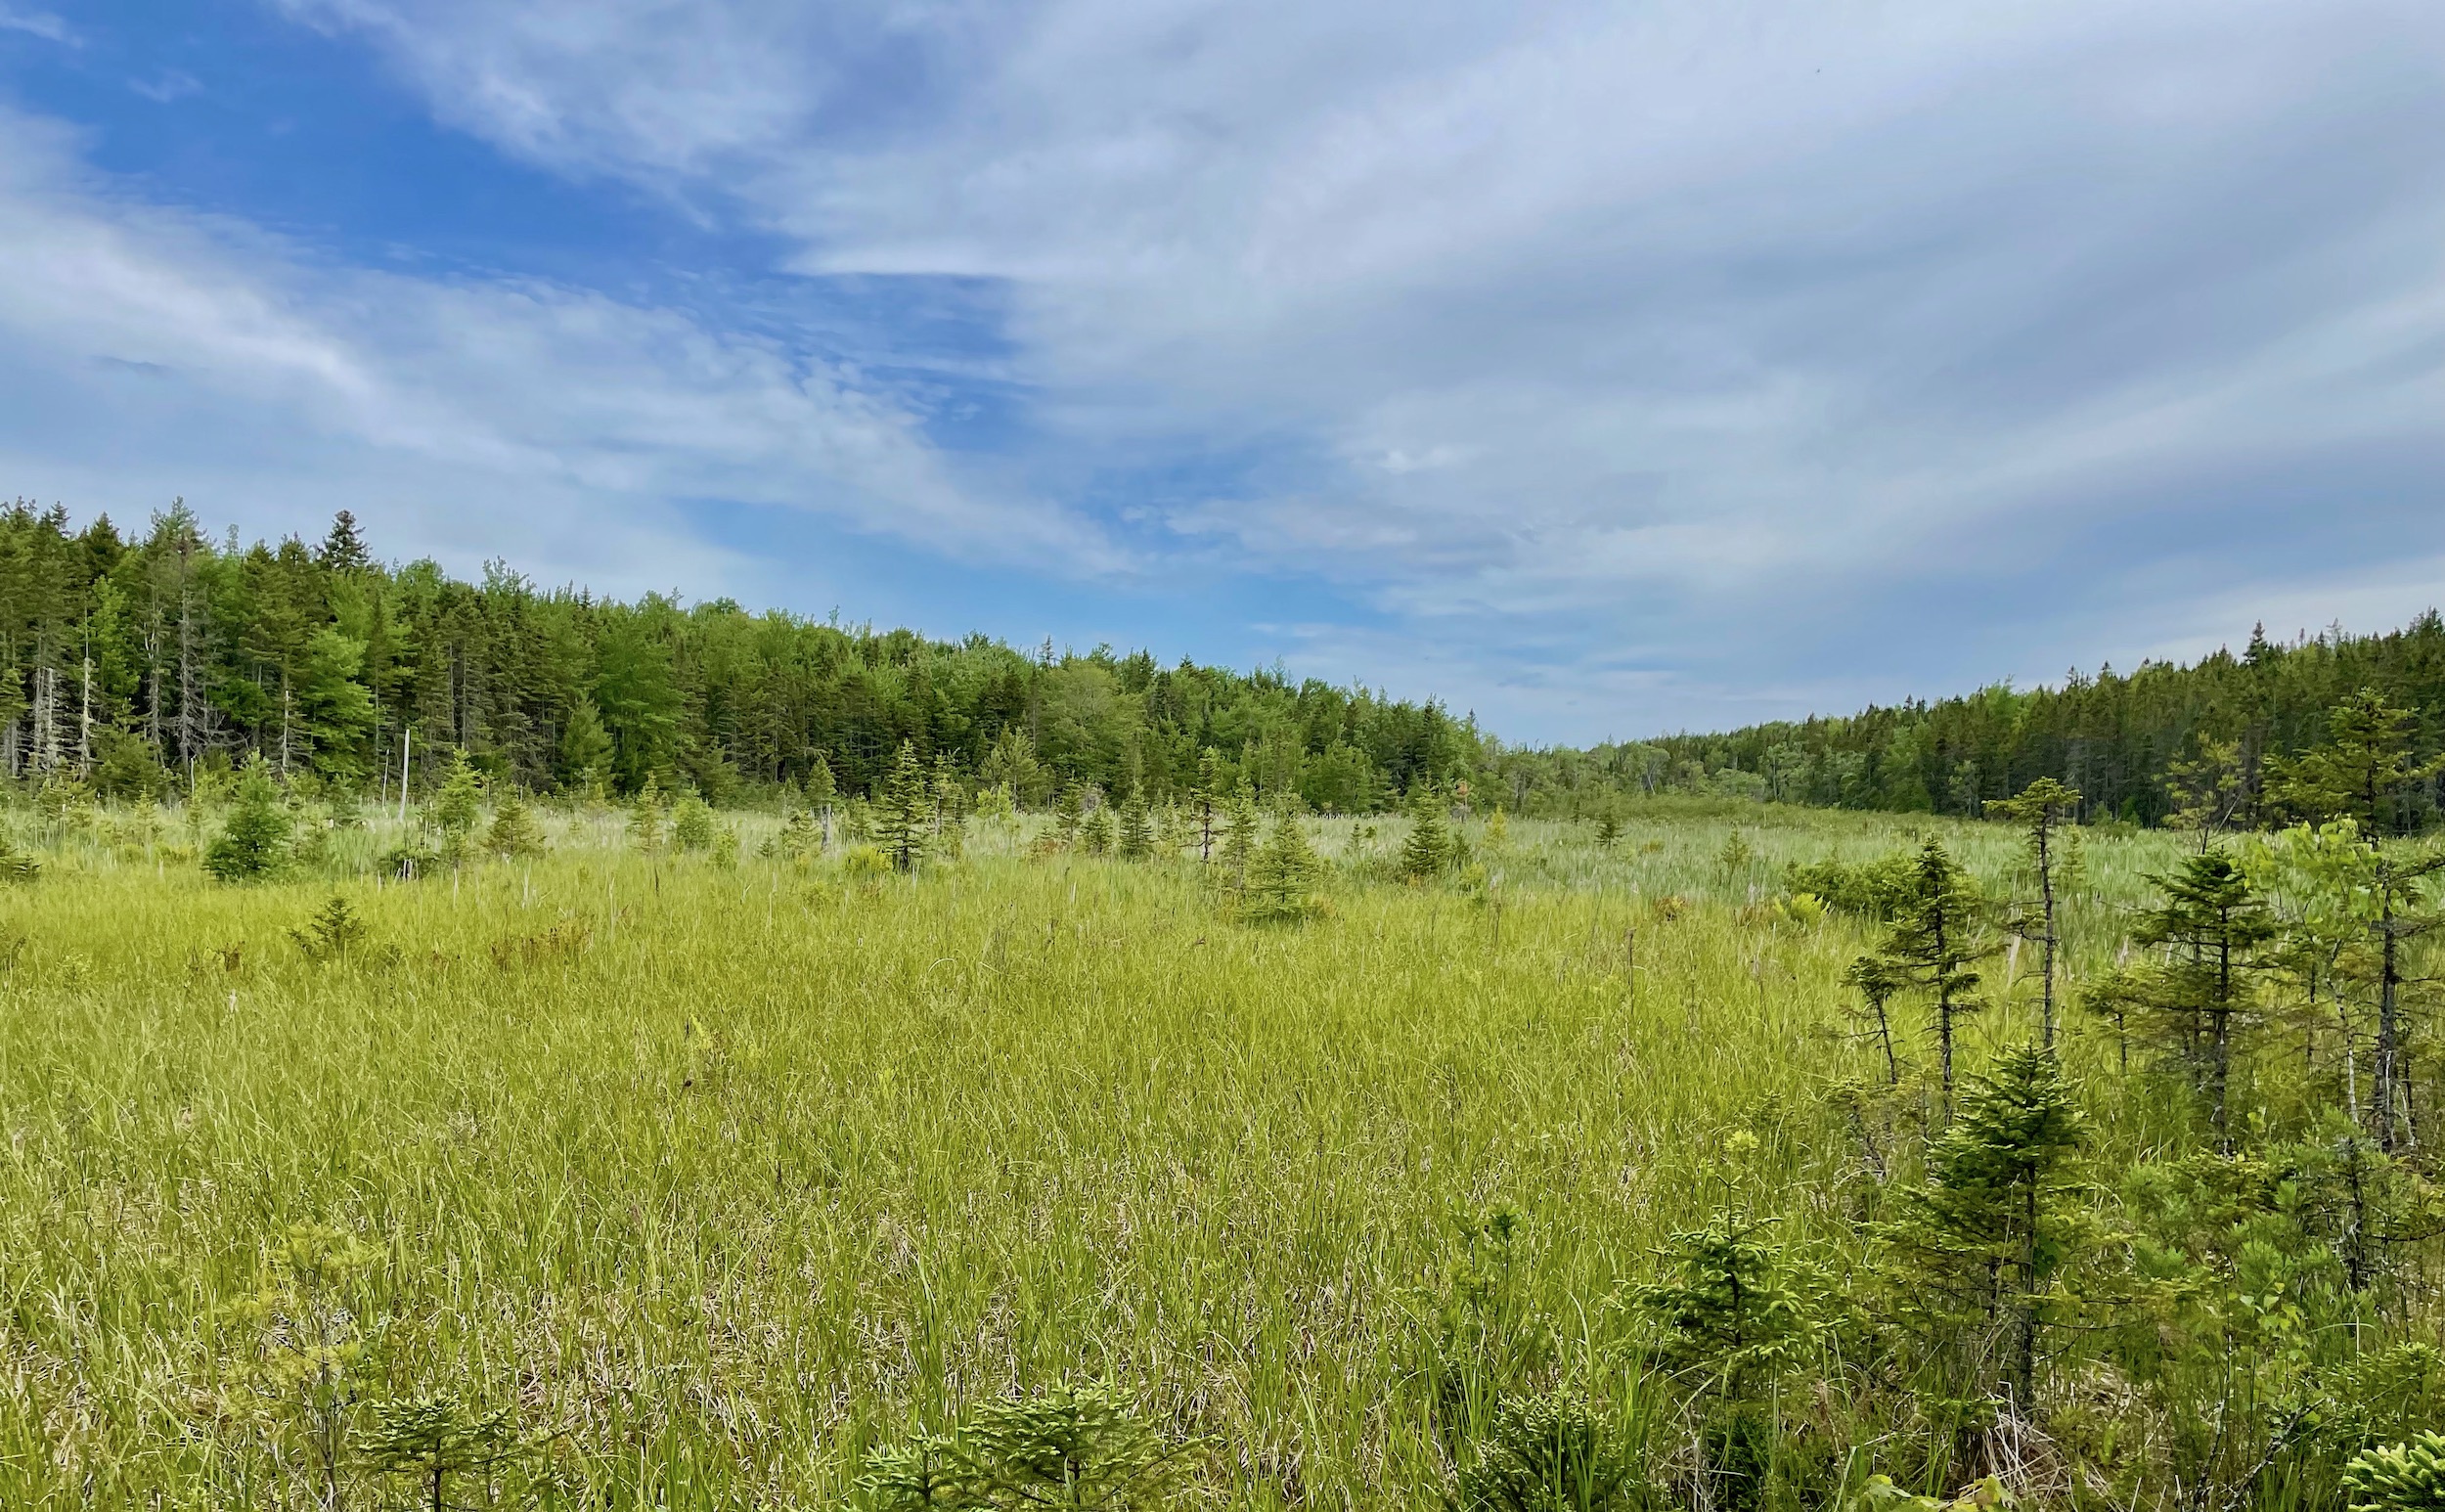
718,1178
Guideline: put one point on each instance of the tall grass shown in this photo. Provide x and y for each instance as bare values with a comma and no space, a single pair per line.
727,1175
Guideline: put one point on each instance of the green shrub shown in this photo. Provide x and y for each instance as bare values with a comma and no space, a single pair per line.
1546,1453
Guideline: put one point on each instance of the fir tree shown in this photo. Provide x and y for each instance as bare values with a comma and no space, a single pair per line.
343,548
1934,941
2207,791
253,844
2040,811
1069,811
1095,831
1607,830
800,836
1732,1309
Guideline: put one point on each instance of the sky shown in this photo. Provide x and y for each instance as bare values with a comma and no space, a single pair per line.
1600,369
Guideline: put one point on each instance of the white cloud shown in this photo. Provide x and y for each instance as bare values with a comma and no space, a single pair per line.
156,352
1717,328
38,23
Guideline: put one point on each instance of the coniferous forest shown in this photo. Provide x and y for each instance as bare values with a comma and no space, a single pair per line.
479,1045
128,660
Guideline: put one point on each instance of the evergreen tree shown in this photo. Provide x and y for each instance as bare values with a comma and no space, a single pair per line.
458,807
1241,823
1426,852
1732,1309
1607,830
646,817
823,793
1878,982
1095,832
2364,772
585,751
343,548
253,844
333,710
1981,1245
514,834
430,1440
950,798
1282,875
903,811
1070,811
800,836
1208,801
1134,835
2207,791
692,823
2212,925
2040,811
1933,942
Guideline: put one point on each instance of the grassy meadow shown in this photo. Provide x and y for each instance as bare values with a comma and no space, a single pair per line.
715,1178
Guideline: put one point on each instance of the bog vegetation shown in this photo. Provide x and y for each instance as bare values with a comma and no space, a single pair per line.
1034,1099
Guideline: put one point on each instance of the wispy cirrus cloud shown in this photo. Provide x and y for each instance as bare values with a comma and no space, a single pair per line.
159,352
38,23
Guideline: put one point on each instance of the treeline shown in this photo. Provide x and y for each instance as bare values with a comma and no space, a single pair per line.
129,663
2130,743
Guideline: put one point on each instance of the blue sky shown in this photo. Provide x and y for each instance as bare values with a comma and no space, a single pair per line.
1603,369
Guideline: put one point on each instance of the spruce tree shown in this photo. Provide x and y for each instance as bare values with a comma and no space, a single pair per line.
2363,773
458,807
823,792
1209,798
1607,830
254,845
692,823
1935,941
1426,851
904,810
1878,981
1282,875
1135,836
585,748
1094,832
514,834
1069,811
1984,1243
2212,925
2040,811
1732,1309
646,817
1240,822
